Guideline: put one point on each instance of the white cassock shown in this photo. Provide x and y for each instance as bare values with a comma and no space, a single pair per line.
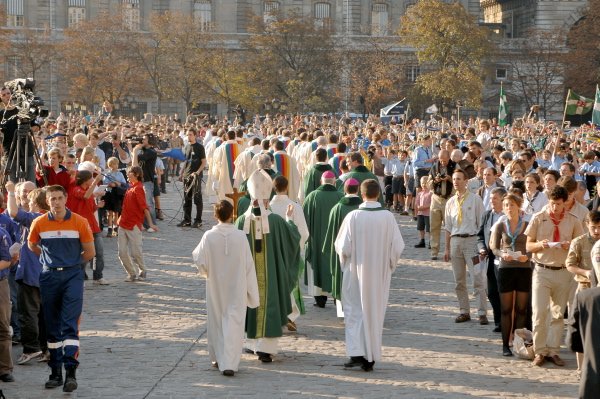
220,169
244,165
291,174
369,245
224,258
279,205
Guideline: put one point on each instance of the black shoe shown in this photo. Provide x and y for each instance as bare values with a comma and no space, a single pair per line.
421,244
55,380
264,357
367,366
497,329
184,223
320,301
355,361
197,224
228,373
506,351
8,377
70,380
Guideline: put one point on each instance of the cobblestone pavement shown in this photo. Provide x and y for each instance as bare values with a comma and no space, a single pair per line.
148,339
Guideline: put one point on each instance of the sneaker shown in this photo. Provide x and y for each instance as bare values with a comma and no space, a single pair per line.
197,225
109,232
160,215
142,275
26,357
150,230
130,279
44,357
100,281
483,320
184,223
506,351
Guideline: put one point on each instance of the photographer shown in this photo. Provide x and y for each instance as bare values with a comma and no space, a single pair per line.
144,156
8,125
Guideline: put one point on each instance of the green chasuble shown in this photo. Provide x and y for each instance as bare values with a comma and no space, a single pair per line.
361,173
317,207
276,259
312,180
336,217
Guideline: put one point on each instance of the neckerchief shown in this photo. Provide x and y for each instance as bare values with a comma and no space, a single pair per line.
460,203
513,235
530,205
556,222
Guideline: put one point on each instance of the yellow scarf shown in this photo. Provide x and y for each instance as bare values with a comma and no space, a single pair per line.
460,202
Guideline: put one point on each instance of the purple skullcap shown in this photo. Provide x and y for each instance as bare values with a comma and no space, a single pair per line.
329,175
351,182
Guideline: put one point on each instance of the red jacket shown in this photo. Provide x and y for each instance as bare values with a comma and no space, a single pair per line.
62,177
85,207
134,205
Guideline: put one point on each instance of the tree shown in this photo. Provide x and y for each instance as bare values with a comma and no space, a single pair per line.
451,46
583,68
537,68
102,68
294,60
33,48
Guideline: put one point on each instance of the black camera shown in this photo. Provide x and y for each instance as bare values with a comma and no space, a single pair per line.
27,103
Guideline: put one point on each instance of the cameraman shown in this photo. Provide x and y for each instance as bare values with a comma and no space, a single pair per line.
145,157
8,125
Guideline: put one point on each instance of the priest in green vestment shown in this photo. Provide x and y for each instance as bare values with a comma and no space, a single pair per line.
274,243
347,204
312,179
317,207
264,163
360,172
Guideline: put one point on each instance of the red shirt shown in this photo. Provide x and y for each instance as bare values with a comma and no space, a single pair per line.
85,207
62,177
134,205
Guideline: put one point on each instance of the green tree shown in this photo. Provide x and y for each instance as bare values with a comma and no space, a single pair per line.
294,60
450,47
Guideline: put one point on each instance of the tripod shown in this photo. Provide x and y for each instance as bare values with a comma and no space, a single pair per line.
22,140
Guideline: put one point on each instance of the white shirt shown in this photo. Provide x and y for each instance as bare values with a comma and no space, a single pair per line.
472,212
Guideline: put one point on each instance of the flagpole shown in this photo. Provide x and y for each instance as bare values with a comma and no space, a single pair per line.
562,126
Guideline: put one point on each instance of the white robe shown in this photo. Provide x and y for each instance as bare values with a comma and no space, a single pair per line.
294,182
369,245
223,256
220,171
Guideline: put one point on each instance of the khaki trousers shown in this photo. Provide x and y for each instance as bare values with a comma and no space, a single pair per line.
550,291
130,251
436,219
6,364
461,252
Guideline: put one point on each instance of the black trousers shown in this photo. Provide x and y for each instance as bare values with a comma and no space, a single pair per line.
192,193
492,291
31,318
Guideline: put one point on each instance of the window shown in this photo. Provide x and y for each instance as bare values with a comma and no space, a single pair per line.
76,12
203,14
270,11
409,4
131,14
14,13
322,15
379,20
411,73
12,67
501,74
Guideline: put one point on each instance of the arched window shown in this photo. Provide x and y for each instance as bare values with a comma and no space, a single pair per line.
379,19
322,15
203,14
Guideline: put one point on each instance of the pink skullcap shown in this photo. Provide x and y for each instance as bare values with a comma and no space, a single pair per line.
329,175
351,182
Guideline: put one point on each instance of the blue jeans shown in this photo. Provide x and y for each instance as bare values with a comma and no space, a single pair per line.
97,262
149,191
14,316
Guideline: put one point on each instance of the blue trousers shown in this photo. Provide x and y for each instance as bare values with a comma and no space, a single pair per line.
62,304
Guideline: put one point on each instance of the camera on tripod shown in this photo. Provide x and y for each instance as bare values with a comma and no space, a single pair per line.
27,103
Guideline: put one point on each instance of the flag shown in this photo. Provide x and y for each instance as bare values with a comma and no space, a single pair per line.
433,109
596,113
578,105
502,109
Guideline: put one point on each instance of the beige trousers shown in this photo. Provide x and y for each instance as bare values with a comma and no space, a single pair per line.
130,251
436,219
461,252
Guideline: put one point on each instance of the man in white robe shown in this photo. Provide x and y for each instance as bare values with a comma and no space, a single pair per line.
369,245
279,205
285,165
245,163
223,166
223,256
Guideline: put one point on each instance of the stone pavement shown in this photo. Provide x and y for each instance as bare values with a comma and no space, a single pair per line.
148,339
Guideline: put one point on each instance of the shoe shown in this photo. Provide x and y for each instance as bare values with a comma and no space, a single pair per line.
55,380
26,357
355,361
497,329
183,223
130,279
228,373
44,357
115,231
506,351
109,232
70,380
415,218
150,230
429,246
556,360
142,275
404,213
434,258
100,281
320,301
264,357
367,366
483,320
539,360
461,318
421,244
160,215
197,225
291,326
214,365
8,377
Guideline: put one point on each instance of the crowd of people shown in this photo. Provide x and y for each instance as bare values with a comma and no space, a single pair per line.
295,198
